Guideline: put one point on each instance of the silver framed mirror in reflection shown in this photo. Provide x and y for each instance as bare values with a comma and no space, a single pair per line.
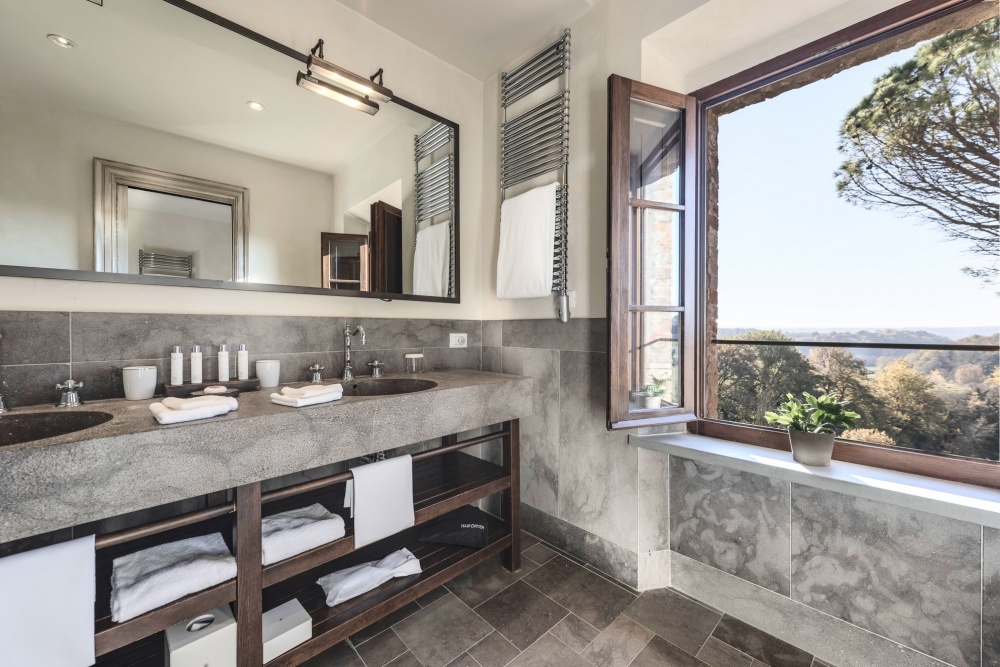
203,164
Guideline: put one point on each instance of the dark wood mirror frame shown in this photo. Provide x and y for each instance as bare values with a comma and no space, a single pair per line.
101,277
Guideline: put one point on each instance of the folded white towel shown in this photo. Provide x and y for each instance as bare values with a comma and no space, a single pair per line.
354,581
298,530
218,389
151,578
292,402
527,244
381,499
432,260
199,402
47,606
165,415
312,390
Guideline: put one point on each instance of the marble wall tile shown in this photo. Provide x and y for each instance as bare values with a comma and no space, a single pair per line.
907,575
116,336
654,569
493,359
830,639
32,385
654,501
103,379
732,520
540,430
579,334
598,470
445,358
492,333
604,555
394,360
392,334
29,337
991,597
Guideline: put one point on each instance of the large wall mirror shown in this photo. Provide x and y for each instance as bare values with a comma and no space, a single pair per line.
149,141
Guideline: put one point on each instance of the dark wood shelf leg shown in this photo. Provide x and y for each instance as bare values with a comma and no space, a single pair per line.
511,498
249,580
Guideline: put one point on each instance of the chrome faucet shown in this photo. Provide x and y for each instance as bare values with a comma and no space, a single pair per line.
348,369
70,397
317,373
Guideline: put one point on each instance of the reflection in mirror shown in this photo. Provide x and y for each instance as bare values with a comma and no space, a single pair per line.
204,160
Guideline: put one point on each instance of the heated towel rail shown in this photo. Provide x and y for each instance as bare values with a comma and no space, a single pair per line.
536,142
434,186
158,262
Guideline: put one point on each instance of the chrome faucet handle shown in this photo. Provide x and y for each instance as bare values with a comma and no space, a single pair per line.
348,372
317,373
376,367
70,398
3,407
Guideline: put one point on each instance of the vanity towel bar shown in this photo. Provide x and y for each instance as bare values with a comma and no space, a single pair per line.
130,534
536,142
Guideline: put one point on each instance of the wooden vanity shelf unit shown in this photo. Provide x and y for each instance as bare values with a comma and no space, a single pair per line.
444,480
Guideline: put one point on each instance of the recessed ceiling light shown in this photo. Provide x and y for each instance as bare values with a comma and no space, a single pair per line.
255,106
64,42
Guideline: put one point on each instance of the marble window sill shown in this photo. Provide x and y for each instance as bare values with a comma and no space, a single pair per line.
950,499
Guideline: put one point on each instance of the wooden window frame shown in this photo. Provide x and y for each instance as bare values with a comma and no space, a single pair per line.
621,93
895,21
326,238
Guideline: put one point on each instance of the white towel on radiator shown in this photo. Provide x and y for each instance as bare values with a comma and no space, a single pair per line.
47,606
293,402
312,390
295,531
166,415
527,244
151,578
432,260
381,499
354,581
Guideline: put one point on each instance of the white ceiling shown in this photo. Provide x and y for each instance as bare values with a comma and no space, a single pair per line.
477,36
159,202
147,63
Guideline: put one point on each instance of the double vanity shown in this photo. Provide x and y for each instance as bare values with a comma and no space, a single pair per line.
67,469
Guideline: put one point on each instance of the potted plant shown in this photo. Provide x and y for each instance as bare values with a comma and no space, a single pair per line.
654,393
813,425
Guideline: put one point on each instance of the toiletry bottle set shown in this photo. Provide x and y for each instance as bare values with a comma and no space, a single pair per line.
177,364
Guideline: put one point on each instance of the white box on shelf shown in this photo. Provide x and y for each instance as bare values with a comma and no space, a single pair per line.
285,627
208,640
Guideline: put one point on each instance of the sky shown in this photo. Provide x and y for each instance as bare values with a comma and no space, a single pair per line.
793,255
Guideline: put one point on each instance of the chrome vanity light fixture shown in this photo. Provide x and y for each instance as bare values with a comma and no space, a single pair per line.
345,87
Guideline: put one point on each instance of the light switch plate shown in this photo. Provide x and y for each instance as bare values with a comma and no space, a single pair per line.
459,340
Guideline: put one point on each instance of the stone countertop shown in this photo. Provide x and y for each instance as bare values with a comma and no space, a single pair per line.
132,463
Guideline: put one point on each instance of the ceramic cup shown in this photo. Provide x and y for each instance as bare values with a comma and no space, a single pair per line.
140,382
268,371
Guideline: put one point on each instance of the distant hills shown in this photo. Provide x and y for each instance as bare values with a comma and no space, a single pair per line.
934,335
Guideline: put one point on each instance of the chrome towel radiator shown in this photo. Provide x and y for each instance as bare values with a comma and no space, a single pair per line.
158,262
536,142
434,186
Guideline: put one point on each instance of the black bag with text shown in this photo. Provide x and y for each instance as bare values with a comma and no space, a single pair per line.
467,527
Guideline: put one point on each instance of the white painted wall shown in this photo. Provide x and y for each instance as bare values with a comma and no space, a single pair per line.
209,242
362,46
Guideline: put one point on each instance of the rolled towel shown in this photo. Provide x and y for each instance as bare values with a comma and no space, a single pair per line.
219,389
289,533
151,578
293,402
199,402
354,581
312,390
165,415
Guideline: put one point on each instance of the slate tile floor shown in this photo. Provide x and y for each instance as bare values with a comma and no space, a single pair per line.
555,612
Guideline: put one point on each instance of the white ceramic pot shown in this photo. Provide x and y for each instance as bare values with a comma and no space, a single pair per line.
812,449
652,402
140,382
268,372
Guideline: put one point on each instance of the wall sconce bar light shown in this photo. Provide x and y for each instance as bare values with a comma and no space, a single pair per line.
342,77
343,96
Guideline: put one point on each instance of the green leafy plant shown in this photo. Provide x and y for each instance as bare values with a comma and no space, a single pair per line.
655,387
817,414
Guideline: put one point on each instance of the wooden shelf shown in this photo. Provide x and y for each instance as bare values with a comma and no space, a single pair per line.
444,480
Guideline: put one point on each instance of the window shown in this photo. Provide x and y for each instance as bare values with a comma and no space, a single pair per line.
652,236
816,270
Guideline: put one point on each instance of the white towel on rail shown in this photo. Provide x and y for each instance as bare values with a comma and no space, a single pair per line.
354,581
527,244
312,390
47,606
153,577
432,260
381,499
295,531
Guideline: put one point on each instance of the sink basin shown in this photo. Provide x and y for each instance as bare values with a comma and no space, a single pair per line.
386,386
15,428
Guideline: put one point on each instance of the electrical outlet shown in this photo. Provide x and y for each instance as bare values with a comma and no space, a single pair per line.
459,340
